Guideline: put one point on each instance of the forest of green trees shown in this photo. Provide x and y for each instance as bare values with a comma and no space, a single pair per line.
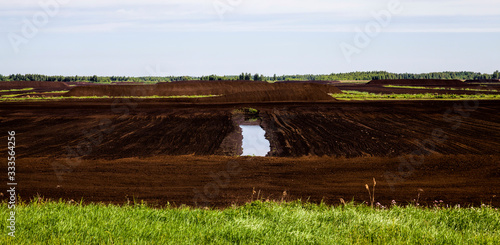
372,75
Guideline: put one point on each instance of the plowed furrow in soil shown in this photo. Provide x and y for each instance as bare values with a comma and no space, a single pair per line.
145,152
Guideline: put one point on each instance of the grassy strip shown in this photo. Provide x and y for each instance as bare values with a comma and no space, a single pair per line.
55,92
42,98
17,95
24,94
16,90
356,95
257,222
8,95
442,88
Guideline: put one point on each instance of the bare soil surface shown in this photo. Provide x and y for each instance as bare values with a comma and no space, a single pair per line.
484,81
217,181
48,86
318,82
37,88
226,91
172,151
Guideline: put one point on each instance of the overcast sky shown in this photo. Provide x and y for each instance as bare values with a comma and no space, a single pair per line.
200,37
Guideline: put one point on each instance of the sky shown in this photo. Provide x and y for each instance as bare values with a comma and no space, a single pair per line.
228,37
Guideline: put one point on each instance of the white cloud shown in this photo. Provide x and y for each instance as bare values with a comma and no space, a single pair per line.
451,7
252,15
349,7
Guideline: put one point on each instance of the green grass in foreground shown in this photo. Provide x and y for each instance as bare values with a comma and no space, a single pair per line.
254,223
442,88
42,98
16,90
356,95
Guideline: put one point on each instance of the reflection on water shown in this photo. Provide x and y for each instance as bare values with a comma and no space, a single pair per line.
254,142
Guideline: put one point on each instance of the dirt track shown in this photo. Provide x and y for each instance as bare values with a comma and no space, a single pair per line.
131,149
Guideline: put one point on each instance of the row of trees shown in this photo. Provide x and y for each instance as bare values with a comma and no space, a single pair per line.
215,78
92,79
372,75
242,76
496,75
255,77
379,75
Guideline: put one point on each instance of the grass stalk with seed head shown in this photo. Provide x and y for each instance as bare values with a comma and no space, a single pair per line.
371,193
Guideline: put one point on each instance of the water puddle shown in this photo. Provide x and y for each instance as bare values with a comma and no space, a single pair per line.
254,141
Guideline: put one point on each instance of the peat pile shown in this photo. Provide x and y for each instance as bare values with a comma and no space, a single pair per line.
34,84
418,82
227,91
265,92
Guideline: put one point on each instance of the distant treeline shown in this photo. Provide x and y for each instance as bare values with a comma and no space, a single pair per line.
373,75
380,75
